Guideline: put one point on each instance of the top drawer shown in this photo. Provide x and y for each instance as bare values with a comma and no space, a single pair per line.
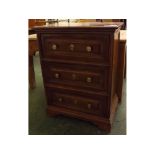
76,47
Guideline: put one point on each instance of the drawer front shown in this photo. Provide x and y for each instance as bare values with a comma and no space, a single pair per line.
79,76
76,102
83,48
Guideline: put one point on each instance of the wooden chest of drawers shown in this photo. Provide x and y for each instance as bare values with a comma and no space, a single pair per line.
79,68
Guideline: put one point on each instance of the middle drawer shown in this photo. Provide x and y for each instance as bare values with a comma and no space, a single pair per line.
76,75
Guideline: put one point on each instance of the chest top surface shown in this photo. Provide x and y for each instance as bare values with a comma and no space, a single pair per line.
76,27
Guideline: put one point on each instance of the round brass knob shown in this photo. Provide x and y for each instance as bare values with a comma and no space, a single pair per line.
54,47
57,75
60,99
75,101
71,47
88,48
89,106
89,79
73,76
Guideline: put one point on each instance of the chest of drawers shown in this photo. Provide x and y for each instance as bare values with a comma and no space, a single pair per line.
79,68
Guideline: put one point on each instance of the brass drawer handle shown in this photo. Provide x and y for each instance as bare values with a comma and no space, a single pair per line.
71,46
89,106
54,47
60,99
89,79
88,48
73,76
57,75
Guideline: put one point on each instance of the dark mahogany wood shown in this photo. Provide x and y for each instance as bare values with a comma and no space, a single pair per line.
80,69
121,64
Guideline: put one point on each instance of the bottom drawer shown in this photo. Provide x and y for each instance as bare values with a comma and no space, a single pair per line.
76,102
